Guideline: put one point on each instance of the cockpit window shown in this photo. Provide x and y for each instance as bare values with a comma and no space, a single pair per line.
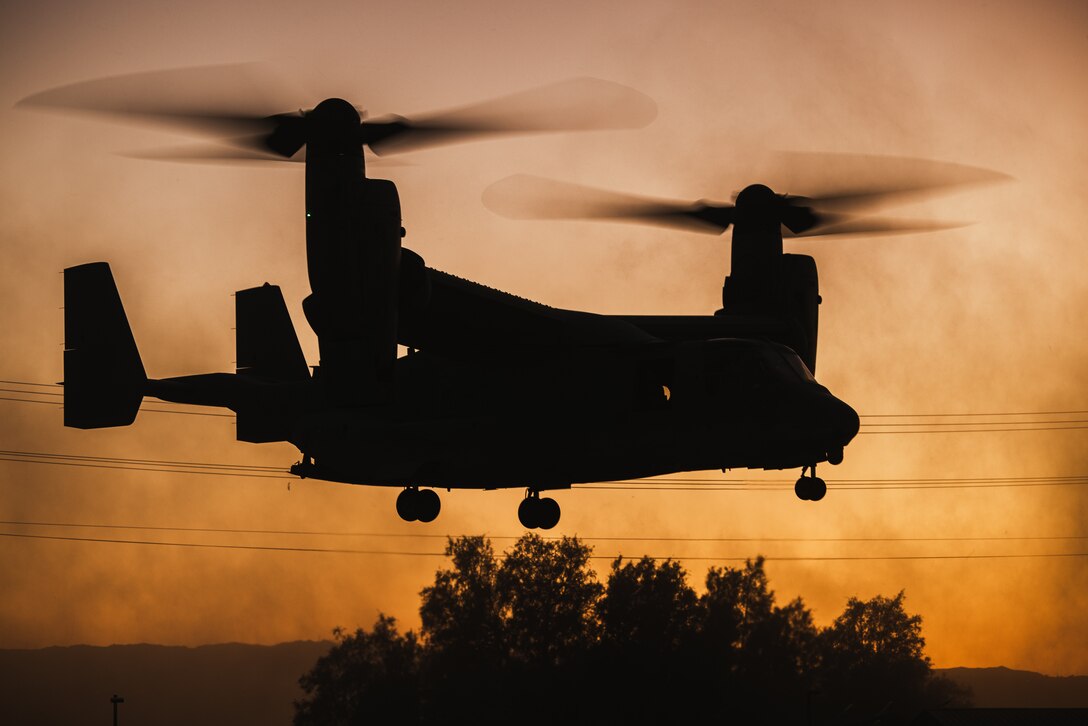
797,365
748,364
735,366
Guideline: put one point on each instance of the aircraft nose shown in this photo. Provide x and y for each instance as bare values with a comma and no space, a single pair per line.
838,423
847,422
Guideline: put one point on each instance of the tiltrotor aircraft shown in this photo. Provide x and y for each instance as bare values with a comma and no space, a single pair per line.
496,391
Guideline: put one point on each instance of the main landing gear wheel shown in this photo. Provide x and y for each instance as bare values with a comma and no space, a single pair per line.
810,488
537,513
418,505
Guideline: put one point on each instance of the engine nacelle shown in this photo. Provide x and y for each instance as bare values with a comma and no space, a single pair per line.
354,253
789,291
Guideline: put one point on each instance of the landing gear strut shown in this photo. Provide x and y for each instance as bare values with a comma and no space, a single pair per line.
418,504
534,512
810,488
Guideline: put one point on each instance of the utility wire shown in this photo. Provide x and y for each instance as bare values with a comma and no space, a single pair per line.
142,409
248,467
30,393
342,550
870,415
1041,427
655,484
426,535
1000,423
944,415
993,426
146,468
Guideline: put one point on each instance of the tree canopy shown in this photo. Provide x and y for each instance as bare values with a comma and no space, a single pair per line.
534,637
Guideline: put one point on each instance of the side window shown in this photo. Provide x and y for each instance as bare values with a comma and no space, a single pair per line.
654,383
798,367
734,370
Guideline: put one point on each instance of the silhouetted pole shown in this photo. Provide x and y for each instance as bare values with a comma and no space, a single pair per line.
116,700
808,703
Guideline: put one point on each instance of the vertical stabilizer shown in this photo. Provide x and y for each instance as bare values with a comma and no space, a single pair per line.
266,342
269,355
104,378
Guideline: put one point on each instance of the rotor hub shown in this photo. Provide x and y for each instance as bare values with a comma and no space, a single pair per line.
756,202
333,127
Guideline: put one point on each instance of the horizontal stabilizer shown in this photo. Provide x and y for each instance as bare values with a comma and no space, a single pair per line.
104,378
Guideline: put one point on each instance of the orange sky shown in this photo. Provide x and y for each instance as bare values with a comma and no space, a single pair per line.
985,318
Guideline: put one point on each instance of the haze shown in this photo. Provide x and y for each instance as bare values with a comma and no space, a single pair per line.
987,318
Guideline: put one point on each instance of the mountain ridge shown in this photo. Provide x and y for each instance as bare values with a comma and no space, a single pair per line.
238,683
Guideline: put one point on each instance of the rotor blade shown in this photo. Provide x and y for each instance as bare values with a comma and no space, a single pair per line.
844,225
579,104
241,154
227,99
213,154
857,182
531,197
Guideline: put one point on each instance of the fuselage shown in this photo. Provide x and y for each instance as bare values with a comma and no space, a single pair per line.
590,415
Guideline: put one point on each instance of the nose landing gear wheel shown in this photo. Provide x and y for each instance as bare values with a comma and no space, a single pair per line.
810,488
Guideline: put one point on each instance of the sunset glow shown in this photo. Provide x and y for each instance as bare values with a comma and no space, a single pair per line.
963,349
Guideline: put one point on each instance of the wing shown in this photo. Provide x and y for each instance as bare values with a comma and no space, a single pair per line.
464,319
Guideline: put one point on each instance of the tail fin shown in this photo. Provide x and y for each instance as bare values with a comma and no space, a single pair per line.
104,378
267,350
266,343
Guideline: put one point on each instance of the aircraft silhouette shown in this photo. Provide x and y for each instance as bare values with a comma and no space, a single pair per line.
496,391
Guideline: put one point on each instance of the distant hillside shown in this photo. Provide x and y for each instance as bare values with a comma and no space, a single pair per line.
1005,688
236,684
167,685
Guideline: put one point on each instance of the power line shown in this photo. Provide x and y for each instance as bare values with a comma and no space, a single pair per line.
342,550
1003,423
249,467
1041,427
1005,426
142,409
869,415
654,484
27,400
704,485
31,393
944,415
219,546
146,469
426,535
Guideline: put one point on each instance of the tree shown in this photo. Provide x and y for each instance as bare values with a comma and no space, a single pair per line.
873,662
365,678
758,655
465,649
498,636
548,594
647,618
535,638
461,614
648,609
